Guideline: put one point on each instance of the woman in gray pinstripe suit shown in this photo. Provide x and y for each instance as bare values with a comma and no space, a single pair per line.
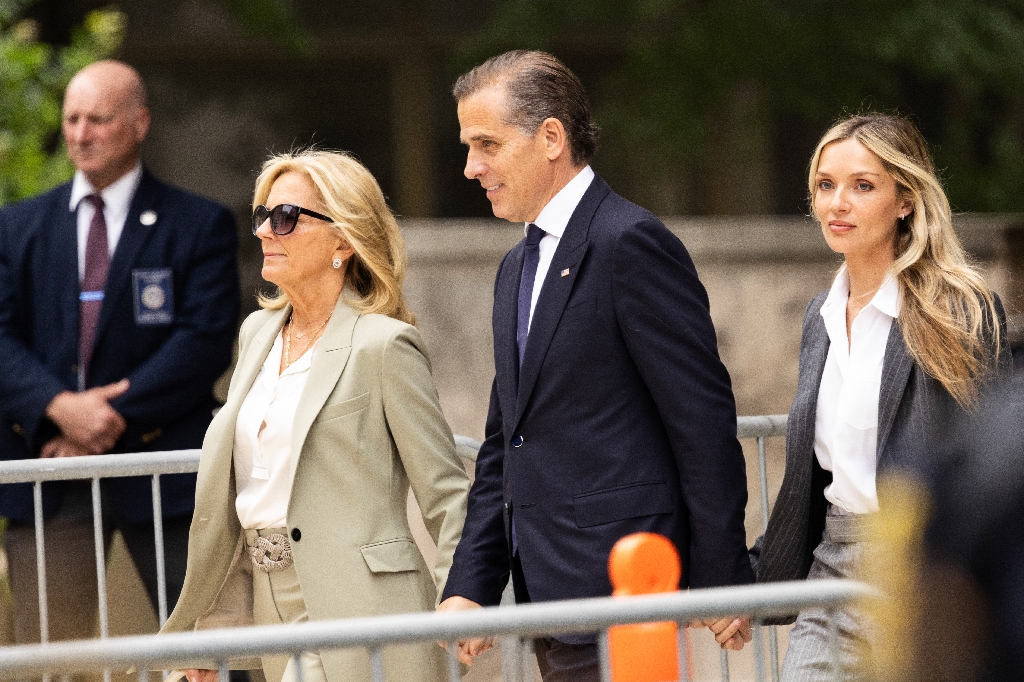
902,341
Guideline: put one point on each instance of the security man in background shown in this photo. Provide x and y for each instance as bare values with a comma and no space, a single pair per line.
119,303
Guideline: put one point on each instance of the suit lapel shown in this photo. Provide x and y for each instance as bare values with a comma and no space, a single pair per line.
133,237
896,368
812,369
248,367
554,294
63,256
255,355
329,361
505,322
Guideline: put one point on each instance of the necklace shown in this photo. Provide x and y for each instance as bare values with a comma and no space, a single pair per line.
288,339
870,293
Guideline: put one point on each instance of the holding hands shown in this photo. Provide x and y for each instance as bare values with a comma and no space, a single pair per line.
468,648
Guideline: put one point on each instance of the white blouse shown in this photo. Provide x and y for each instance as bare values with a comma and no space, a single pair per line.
846,423
263,440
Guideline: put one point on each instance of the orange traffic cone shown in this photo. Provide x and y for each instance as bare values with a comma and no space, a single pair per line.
644,563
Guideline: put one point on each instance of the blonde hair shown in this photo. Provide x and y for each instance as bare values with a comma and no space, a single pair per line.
948,316
352,197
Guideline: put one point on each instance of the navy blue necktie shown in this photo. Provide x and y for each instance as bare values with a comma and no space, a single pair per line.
530,260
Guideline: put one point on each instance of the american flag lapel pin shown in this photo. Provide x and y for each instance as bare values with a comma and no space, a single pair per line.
565,272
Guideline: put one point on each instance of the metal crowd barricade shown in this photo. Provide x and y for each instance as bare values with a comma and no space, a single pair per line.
97,467
154,652
155,464
760,428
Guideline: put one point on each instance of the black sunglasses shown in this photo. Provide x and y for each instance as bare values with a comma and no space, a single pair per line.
283,217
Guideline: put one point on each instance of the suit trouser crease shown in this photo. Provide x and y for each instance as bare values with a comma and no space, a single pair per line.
277,600
809,657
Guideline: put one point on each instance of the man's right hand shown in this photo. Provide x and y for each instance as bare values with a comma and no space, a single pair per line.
468,648
87,418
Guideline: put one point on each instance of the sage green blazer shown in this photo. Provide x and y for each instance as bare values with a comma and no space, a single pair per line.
368,426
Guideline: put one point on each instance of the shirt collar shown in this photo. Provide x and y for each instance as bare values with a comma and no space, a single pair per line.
554,218
886,299
117,197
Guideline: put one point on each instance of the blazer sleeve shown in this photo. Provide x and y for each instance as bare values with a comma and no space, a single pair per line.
663,312
26,386
425,444
481,567
173,380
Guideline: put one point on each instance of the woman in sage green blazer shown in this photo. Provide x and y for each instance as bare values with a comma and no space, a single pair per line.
303,516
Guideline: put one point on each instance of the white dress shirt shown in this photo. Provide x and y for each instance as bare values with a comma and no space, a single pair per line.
263,440
117,200
553,219
846,424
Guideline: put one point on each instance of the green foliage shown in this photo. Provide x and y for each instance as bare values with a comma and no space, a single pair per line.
956,66
33,76
274,20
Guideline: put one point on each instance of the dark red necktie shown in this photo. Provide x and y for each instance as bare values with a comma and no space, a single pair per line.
90,300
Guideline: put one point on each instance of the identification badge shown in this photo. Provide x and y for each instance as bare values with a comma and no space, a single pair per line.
154,296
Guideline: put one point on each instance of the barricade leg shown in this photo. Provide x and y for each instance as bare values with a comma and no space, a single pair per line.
44,617
101,564
773,650
759,651
376,664
526,660
603,657
762,471
682,650
454,674
161,568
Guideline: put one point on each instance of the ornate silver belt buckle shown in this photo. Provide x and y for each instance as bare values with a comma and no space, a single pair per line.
271,553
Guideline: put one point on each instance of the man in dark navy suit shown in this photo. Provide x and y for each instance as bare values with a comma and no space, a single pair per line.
611,412
118,307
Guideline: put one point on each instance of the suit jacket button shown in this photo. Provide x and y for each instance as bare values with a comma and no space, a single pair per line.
517,441
296,534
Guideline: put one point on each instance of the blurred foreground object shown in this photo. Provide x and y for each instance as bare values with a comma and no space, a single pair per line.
893,564
972,586
951,556
644,563
32,81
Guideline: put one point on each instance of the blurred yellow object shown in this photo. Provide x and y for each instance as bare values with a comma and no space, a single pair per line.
893,563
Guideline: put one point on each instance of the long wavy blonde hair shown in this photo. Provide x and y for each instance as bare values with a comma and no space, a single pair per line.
947,314
351,196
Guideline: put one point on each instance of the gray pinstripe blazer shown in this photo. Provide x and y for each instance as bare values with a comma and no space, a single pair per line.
914,414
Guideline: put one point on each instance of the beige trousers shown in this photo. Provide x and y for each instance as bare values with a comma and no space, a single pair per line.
277,600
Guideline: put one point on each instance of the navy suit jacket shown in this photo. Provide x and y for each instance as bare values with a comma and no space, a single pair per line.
626,416
171,366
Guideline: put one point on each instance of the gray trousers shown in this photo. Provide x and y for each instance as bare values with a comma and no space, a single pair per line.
810,654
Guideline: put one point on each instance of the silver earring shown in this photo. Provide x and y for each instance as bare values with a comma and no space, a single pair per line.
337,263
